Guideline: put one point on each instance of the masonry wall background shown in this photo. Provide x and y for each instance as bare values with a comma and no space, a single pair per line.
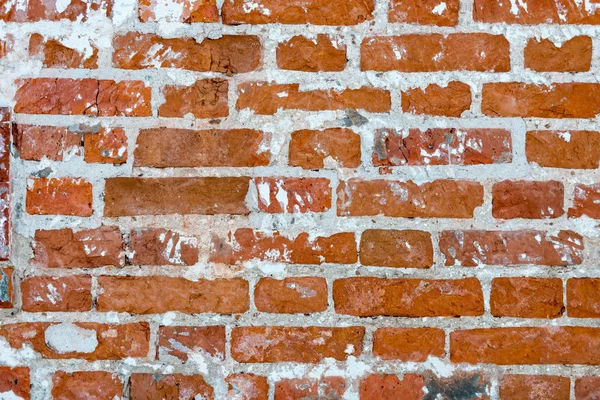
268,199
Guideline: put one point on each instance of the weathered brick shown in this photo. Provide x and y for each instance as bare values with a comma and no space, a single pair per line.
528,199
144,196
94,97
312,344
14,382
173,386
583,297
330,387
6,287
408,344
109,146
156,246
367,296
559,100
188,11
246,245
564,149
73,10
229,54
311,55
315,12
266,98
436,52
159,294
293,195
86,385
574,55
425,12
472,248
527,297
450,100
55,143
84,340
436,199
586,201
389,386
59,196
66,293
535,12
204,99
247,387
54,54
531,387
167,147
185,342
525,345
291,295
587,388
315,149
393,248
442,146
87,248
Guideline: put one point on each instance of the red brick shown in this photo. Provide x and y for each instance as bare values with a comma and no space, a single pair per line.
115,342
436,52
66,96
204,99
312,344
86,385
425,12
559,100
229,54
311,55
408,344
87,248
379,387
266,98
315,149
201,148
436,199
450,100
535,12
59,196
583,297
442,146
184,341
393,248
246,245
156,246
574,55
175,386
247,387
586,201
587,388
558,149
532,387
109,146
5,221
55,143
75,10
331,387
149,196
543,345
315,12
159,294
14,382
293,195
6,287
527,297
5,48
291,295
190,11
528,199
67,293
473,248
369,296
54,54
6,132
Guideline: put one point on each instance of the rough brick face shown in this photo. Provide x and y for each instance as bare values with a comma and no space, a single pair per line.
299,199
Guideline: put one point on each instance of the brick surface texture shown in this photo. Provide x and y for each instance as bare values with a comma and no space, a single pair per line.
299,199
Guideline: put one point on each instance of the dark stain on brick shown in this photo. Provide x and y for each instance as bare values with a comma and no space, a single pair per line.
353,118
4,287
460,386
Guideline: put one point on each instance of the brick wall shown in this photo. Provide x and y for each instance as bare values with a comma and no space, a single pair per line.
300,199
